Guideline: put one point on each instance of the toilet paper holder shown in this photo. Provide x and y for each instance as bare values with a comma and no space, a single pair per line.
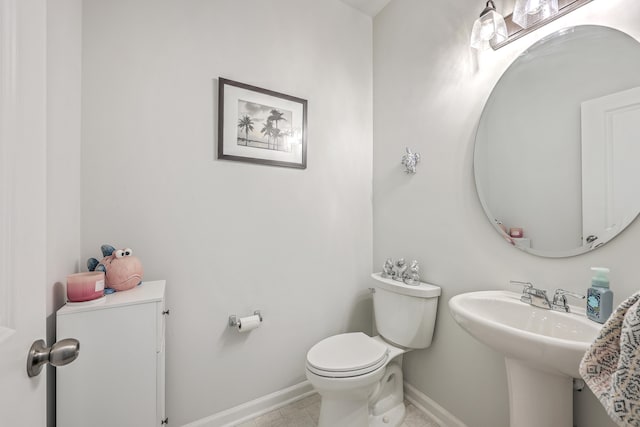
234,320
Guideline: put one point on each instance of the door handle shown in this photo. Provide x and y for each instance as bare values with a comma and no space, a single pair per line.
59,354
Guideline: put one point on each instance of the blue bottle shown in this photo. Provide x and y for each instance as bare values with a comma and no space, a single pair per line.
599,296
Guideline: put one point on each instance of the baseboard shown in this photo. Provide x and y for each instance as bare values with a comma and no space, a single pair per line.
430,407
273,401
255,408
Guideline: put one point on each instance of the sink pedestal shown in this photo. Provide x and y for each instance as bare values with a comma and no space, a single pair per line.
537,397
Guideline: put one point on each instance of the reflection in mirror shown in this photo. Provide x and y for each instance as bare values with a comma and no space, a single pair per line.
557,145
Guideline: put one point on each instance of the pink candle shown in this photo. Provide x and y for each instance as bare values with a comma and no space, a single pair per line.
516,232
85,286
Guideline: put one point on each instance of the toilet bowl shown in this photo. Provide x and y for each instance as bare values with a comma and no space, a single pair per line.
355,374
358,377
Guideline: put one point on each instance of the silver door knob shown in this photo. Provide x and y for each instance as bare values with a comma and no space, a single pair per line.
59,354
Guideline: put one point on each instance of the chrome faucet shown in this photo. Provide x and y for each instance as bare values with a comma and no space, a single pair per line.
533,296
560,300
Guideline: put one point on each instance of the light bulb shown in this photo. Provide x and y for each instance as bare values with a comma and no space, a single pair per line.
489,29
533,6
529,12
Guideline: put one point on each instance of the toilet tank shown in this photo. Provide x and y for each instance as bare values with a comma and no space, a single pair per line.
405,314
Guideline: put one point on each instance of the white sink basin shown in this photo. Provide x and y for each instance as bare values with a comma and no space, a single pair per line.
542,350
551,340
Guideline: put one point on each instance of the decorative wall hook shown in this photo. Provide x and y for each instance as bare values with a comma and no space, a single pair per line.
410,160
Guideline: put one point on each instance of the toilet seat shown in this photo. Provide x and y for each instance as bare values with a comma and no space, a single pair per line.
347,355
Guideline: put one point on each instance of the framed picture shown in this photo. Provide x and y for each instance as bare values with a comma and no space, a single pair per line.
261,126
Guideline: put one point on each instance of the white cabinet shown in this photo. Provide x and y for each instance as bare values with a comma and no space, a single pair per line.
119,376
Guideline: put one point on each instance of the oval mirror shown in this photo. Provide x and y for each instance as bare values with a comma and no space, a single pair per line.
558,143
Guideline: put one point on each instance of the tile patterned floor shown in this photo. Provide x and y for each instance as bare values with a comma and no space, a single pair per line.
305,412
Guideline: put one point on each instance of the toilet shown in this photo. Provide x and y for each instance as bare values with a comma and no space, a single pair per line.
358,377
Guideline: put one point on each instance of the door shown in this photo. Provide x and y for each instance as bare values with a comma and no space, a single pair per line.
22,207
610,193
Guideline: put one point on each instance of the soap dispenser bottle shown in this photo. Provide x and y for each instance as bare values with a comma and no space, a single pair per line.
599,296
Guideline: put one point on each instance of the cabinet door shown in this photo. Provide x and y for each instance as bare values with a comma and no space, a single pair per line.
161,317
161,408
113,381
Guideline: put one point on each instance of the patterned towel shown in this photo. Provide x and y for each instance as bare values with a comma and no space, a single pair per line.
611,366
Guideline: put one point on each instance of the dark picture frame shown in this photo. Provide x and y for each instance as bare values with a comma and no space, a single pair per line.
257,125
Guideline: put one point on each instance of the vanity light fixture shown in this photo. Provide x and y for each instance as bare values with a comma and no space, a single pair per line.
527,12
527,16
489,29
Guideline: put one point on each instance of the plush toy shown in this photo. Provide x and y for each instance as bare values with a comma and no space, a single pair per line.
122,270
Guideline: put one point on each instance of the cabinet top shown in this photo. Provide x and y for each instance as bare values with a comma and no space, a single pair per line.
144,293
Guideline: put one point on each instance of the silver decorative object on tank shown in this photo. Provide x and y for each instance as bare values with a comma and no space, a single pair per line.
412,277
410,161
387,269
399,271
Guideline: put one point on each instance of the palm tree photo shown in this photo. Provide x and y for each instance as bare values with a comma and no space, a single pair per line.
267,130
263,126
245,124
276,116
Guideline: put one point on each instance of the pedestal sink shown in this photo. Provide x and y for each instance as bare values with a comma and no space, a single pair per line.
542,350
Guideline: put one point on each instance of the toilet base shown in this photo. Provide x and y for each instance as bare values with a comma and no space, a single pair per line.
344,411
377,401
354,414
392,418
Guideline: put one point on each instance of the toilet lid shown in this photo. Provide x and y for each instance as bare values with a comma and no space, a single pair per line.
346,355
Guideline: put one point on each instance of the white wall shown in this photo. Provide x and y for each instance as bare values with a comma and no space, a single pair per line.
64,27
231,237
429,90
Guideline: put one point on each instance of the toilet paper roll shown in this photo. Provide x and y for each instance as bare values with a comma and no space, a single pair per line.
249,323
